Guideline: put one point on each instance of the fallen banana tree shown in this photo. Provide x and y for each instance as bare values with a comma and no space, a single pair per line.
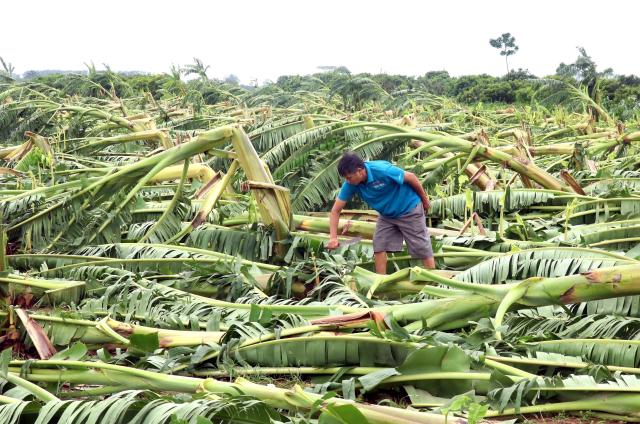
118,378
118,189
151,241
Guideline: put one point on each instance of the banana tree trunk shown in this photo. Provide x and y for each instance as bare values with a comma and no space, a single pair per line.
482,179
274,203
349,227
294,399
482,300
521,166
159,136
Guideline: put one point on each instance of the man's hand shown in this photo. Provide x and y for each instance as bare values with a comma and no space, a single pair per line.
333,244
334,220
426,204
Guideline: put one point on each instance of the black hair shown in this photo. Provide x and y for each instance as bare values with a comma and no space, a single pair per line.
349,163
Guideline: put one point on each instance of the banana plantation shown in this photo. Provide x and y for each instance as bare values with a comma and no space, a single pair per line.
164,257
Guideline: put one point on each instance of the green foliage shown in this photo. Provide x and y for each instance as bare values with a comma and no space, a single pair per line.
233,298
344,414
465,402
141,407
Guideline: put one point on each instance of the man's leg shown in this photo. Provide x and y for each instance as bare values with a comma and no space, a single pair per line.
429,263
414,230
380,259
387,238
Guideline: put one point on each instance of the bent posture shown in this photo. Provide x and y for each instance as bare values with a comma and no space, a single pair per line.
400,200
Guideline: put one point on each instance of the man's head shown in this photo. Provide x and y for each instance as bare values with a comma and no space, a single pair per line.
351,167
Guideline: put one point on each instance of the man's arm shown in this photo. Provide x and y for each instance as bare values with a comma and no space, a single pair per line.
411,179
334,218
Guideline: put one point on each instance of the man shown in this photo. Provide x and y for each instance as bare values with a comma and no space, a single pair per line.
400,200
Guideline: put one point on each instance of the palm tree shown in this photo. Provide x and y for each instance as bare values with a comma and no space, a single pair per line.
197,68
8,69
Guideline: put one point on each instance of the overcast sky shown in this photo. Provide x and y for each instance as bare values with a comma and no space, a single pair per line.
265,39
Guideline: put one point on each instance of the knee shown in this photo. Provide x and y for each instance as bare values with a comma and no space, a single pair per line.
429,263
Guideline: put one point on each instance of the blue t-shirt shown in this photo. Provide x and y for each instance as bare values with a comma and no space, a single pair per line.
384,190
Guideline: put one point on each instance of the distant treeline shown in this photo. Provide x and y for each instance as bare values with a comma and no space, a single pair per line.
619,94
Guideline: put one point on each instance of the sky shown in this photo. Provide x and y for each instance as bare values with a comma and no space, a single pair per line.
262,40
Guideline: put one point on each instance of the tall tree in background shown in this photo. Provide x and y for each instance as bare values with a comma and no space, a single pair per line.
506,43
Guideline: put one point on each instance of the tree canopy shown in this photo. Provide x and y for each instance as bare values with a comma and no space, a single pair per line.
506,43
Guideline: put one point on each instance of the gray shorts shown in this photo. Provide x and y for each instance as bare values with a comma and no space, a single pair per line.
412,227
